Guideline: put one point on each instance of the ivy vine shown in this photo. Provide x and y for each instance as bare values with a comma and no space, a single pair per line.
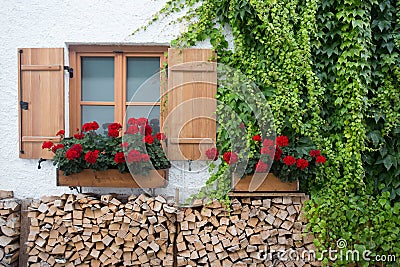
330,70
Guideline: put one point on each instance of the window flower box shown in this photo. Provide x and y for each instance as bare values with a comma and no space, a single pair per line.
91,159
113,178
262,182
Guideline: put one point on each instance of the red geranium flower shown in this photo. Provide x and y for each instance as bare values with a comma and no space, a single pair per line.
301,164
113,133
142,121
91,156
134,156
125,145
282,141
145,157
230,157
148,130
133,129
72,154
60,133
149,139
278,154
119,157
315,153
77,147
132,121
257,138
212,153
57,147
47,145
113,129
266,150
160,136
268,143
79,136
90,126
289,160
261,166
114,126
320,159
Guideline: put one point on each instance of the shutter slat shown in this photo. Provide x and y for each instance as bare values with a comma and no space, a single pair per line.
41,77
41,67
192,87
191,140
41,138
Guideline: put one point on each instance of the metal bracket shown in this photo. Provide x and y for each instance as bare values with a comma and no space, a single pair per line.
77,188
190,164
70,71
23,105
40,162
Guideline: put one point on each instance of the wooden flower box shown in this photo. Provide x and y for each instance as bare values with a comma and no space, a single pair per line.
113,178
262,182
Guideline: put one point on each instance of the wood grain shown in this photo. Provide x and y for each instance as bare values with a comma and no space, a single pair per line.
113,178
192,85
43,88
262,182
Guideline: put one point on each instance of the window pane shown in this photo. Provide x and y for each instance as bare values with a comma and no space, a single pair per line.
150,112
139,70
97,78
102,114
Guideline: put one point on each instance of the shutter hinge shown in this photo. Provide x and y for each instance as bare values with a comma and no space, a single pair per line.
70,71
23,105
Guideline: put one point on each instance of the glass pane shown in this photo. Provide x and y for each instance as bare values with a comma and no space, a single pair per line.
139,70
102,114
152,113
97,78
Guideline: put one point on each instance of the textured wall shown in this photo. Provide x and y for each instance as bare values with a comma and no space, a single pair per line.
56,23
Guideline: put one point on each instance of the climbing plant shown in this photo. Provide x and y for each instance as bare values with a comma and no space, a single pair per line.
329,70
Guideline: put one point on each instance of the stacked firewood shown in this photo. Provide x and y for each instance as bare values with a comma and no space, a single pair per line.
256,232
10,224
84,230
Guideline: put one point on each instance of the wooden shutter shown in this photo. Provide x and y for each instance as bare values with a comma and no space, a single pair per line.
41,86
192,86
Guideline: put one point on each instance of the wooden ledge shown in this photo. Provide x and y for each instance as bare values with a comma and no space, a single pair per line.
266,194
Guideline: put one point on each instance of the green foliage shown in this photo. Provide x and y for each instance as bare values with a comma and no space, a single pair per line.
330,71
92,141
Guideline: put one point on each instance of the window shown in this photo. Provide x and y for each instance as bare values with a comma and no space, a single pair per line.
111,81
105,80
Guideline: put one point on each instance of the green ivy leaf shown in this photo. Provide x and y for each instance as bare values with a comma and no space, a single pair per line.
388,161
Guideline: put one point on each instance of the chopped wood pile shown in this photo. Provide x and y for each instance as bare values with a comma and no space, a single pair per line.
10,224
254,233
84,230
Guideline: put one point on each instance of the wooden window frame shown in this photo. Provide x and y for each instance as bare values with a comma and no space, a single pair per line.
120,55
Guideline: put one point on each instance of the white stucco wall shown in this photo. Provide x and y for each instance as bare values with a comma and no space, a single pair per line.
56,23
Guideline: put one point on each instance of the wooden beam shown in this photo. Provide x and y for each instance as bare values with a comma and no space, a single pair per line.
191,140
41,67
41,138
266,194
24,232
